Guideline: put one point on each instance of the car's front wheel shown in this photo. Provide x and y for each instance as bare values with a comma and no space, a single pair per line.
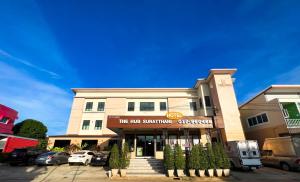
285,166
86,162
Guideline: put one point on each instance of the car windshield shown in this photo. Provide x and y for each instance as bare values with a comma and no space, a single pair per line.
79,153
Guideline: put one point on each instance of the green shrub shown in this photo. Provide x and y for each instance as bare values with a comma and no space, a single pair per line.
224,157
179,158
218,154
168,158
211,157
124,159
203,159
58,149
114,157
194,158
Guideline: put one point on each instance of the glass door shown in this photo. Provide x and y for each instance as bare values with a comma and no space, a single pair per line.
144,145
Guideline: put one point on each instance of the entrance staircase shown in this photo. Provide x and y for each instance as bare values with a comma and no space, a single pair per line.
145,167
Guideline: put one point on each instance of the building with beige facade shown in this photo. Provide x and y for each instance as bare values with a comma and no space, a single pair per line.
149,118
274,112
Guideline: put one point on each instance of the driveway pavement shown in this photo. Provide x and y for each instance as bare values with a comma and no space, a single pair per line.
66,173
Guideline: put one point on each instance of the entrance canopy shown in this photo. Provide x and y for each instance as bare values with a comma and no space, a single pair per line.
156,122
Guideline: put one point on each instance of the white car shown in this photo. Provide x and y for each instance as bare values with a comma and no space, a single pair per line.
81,157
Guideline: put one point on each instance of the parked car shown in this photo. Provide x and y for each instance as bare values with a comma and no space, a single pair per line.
283,152
52,158
25,156
99,159
82,157
244,154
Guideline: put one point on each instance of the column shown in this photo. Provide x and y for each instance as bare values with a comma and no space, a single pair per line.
154,146
134,148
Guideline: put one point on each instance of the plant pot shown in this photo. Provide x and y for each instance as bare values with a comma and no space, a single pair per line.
171,173
123,172
114,172
192,172
201,173
218,172
179,172
210,172
226,172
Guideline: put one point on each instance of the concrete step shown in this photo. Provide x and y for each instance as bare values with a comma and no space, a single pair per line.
145,170
143,165
146,174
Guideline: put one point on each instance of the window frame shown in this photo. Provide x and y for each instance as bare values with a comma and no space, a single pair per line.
88,126
100,125
6,121
200,103
207,98
160,106
99,108
133,108
147,110
193,106
257,122
86,104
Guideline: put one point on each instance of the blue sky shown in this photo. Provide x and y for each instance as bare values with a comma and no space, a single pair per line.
48,47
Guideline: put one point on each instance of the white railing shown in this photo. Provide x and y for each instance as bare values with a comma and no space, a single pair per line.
293,123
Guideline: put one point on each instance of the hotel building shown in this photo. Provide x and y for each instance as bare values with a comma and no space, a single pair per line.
274,112
149,118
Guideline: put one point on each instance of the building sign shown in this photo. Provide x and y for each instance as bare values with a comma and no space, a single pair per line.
158,122
174,115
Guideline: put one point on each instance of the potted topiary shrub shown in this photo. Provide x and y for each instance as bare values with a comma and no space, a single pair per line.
217,148
169,160
211,160
114,162
226,163
203,161
124,159
179,160
193,160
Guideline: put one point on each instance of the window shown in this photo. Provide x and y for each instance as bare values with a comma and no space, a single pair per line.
89,106
193,106
200,103
159,143
85,124
130,106
146,106
4,120
207,101
259,119
101,106
98,124
163,106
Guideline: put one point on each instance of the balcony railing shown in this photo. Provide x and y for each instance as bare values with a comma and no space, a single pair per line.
293,123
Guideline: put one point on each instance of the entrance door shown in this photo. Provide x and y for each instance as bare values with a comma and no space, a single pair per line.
144,145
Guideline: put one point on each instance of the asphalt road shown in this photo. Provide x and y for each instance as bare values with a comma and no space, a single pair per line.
86,173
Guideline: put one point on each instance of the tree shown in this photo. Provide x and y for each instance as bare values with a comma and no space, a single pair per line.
168,158
30,128
203,158
124,160
218,154
211,157
179,158
194,161
114,157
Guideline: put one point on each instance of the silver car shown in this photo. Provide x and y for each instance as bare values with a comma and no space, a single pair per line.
52,158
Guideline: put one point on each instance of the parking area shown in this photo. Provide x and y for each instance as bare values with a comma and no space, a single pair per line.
87,173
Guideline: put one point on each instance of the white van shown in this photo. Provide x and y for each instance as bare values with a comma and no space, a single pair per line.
244,154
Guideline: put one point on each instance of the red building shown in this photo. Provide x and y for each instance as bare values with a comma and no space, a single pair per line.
7,119
9,142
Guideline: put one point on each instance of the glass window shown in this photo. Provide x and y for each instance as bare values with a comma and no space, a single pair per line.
85,124
146,106
200,103
264,117
193,106
207,101
98,124
159,143
250,122
89,106
259,119
4,120
163,106
196,139
101,106
130,106
254,121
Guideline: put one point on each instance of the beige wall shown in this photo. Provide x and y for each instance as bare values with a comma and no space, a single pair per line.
224,98
75,116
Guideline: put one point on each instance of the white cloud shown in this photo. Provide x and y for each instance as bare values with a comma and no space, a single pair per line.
35,99
29,64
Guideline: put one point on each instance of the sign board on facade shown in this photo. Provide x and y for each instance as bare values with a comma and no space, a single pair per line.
158,122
